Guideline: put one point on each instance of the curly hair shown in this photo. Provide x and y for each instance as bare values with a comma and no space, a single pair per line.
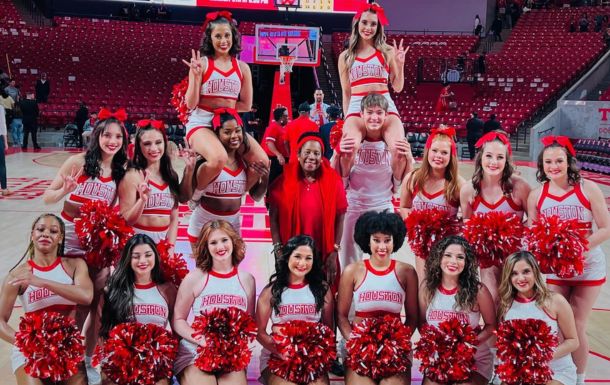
203,258
315,278
506,179
207,48
468,281
93,156
506,290
573,169
384,222
118,298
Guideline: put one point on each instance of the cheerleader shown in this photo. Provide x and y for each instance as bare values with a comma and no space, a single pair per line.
222,193
436,184
150,192
46,282
218,79
297,291
216,282
494,187
93,175
136,291
375,176
566,194
365,67
379,235
451,289
523,294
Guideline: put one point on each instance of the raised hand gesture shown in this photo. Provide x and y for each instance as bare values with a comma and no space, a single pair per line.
400,52
188,156
69,182
144,189
195,64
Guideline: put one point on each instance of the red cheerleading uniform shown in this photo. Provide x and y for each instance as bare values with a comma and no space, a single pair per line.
504,205
422,200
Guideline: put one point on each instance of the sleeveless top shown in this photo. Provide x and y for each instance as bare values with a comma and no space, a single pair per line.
370,178
379,293
504,205
522,308
422,201
221,291
442,308
149,306
369,70
220,84
298,303
228,184
572,205
160,200
93,189
35,298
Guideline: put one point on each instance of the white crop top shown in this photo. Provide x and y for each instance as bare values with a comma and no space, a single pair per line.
572,205
228,184
93,189
298,304
219,84
369,70
149,306
424,201
160,200
38,298
221,291
379,293
442,308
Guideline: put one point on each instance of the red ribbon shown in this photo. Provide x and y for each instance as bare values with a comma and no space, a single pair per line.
219,111
156,124
211,16
563,141
120,114
374,8
493,136
449,131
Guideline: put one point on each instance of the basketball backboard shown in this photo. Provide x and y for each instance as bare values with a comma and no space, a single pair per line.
273,41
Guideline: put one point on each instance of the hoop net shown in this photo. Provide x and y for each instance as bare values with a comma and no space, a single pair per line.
286,63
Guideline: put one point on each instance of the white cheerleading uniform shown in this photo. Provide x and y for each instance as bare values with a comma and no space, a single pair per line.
563,368
160,202
149,306
369,188
297,304
219,291
215,84
422,200
370,70
380,292
443,308
39,299
228,184
575,205
504,205
87,189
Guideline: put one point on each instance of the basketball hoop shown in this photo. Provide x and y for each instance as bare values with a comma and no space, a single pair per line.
286,62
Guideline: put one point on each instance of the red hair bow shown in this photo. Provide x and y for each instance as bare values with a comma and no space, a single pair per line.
449,131
563,141
156,124
493,136
211,16
375,8
219,111
120,114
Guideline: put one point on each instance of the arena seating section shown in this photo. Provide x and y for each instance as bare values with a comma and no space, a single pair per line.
593,155
539,60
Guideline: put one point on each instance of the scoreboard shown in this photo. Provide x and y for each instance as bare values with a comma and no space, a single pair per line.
324,6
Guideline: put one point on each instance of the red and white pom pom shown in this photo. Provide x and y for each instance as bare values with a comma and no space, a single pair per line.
379,347
494,236
559,245
425,227
137,354
102,232
227,333
178,100
336,133
525,349
310,349
173,267
52,345
447,351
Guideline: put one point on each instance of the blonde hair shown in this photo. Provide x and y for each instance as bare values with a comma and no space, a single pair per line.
452,186
507,291
203,258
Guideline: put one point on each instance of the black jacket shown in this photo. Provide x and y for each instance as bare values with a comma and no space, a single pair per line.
29,109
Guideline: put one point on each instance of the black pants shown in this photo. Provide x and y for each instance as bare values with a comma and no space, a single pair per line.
2,164
30,128
472,139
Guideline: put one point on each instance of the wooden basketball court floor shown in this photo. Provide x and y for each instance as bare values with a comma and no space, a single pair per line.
30,173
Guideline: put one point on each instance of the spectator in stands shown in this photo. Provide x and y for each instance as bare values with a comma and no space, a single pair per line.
251,122
318,109
82,114
88,128
478,27
444,99
515,13
496,28
583,24
274,142
481,63
13,90
298,127
8,103
491,124
474,131
43,88
17,126
3,147
599,19
29,109
3,78
333,112
572,27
